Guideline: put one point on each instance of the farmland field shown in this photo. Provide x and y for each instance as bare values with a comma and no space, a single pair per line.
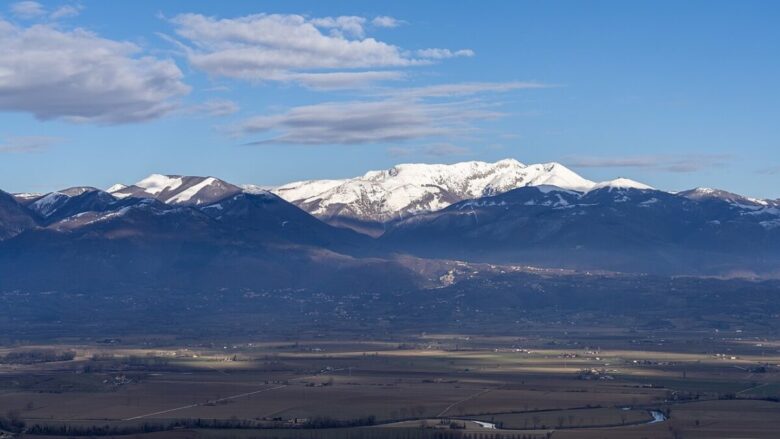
651,385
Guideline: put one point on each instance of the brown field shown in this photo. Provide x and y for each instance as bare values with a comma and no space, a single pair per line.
533,385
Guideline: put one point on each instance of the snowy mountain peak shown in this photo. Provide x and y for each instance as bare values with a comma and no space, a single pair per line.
78,190
179,190
116,188
407,189
701,193
255,189
704,193
48,204
156,183
555,174
423,171
622,183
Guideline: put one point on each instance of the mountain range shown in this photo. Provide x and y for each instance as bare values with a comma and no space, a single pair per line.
621,226
365,203
390,229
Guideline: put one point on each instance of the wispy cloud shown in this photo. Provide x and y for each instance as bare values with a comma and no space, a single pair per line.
345,80
398,151
27,9
442,149
27,144
670,163
295,48
215,107
444,111
79,76
466,89
357,122
444,53
445,149
386,21
770,170
66,11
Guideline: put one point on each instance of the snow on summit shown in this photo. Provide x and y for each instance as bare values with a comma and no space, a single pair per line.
407,189
156,183
383,195
621,183
116,188
177,189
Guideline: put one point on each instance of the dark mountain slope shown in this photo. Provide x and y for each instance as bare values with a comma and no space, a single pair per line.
59,205
247,241
610,228
14,218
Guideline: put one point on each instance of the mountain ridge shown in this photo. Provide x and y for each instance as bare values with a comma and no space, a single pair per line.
618,225
408,189
620,229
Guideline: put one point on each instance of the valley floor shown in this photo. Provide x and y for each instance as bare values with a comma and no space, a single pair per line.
588,383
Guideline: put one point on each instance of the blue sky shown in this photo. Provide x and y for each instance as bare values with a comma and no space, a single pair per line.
674,94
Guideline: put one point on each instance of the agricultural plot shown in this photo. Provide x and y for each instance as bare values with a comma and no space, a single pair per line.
451,385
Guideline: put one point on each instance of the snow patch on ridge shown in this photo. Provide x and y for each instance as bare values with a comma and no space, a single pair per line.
187,194
156,183
412,188
48,204
116,188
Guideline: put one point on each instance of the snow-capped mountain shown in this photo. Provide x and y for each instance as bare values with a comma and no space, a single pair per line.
709,194
408,189
64,203
177,190
90,240
620,183
622,226
365,203
503,212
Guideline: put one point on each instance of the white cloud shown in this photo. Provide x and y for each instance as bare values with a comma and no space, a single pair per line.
31,9
81,77
444,53
385,21
293,48
65,12
27,9
340,26
27,144
358,122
